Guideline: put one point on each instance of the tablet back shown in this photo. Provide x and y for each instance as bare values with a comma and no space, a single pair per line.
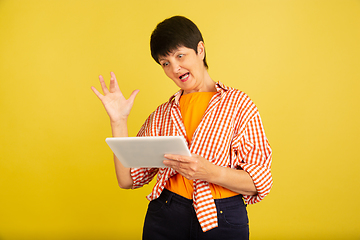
146,151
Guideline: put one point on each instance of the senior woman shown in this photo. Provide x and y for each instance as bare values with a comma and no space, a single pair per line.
203,196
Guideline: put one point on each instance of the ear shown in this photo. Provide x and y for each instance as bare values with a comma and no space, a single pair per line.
201,49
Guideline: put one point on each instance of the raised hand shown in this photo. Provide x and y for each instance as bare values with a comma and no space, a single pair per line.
116,105
118,108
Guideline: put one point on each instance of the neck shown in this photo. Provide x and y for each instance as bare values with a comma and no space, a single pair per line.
206,85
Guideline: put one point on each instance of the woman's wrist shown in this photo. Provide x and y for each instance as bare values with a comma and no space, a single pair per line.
118,122
216,174
119,128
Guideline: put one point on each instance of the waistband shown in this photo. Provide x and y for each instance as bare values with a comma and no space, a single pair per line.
167,196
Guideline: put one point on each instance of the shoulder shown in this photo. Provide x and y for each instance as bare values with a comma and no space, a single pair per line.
239,103
231,92
166,106
156,120
237,96
163,109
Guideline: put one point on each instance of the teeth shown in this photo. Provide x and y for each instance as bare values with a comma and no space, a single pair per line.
184,76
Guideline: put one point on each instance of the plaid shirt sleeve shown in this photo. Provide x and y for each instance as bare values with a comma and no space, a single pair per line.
254,155
142,176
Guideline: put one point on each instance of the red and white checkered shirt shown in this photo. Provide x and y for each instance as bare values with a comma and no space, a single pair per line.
230,135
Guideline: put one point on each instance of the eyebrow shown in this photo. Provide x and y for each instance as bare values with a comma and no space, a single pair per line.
162,59
173,52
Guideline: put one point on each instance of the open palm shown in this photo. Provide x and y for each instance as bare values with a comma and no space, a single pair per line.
116,105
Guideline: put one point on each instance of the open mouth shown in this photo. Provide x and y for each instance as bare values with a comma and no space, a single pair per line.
184,77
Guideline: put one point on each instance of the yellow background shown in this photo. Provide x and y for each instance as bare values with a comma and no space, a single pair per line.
298,60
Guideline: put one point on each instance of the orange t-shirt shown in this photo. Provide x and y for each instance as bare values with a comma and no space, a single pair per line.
193,107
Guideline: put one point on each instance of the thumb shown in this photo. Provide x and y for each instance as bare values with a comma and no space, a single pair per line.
133,95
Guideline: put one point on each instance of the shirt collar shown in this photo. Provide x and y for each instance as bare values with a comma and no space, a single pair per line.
220,88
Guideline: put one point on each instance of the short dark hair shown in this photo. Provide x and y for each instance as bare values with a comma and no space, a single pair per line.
174,32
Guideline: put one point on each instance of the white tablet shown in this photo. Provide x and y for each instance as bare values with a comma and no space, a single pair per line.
146,151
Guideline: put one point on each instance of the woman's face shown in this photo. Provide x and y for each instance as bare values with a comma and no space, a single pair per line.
185,67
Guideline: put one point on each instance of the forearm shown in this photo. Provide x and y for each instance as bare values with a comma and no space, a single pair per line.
197,167
119,129
238,181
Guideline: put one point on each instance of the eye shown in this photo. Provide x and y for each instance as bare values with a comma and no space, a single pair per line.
164,64
180,55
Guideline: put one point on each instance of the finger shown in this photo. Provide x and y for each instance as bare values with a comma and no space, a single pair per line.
113,82
178,166
98,94
112,86
170,156
167,163
133,95
112,74
116,84
179,158
103,85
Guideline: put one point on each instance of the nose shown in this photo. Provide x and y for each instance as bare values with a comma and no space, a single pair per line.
176,67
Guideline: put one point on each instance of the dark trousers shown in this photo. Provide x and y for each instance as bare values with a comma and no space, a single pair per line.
172,216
